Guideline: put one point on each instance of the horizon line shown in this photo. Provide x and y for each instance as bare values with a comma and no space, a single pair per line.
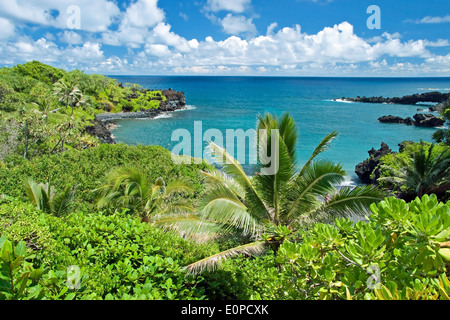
275,76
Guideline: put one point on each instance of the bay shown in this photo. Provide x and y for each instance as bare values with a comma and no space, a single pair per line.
234,102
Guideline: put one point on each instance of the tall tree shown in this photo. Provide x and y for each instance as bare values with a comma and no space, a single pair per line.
68,94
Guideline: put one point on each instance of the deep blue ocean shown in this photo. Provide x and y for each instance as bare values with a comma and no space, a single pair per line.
234,103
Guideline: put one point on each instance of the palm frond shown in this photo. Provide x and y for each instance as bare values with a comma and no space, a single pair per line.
272,184
222,205
288,133
346,202
233,168
317,180
178,186
322,147
213,262
61,202
191,227
39,195
216,177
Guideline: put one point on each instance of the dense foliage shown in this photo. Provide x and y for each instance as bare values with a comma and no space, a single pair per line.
443,135
264,210
87,170
401,253
118,257
420,168
79,220
44,110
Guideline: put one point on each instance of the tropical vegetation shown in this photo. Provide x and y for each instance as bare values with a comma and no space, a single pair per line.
268,208
44,110
81,220
421,168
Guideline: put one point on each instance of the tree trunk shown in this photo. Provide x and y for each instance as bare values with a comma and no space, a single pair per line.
26,132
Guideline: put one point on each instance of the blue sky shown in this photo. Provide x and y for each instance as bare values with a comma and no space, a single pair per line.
229,37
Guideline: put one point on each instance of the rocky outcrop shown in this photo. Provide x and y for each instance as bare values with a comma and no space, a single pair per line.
394,119
440,107
428,121
365,169
175,101
435,97
420,120
101,130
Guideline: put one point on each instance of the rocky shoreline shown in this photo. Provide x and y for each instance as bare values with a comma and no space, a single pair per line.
439,98
105,122
420,120
365,169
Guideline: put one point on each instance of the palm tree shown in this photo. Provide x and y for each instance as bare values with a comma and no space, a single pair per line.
265,209
129,188
68,94
41,196
422,172
44,106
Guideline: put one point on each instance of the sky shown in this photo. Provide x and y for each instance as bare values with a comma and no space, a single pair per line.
376,38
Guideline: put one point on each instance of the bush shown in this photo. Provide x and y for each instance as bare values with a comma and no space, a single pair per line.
85,170
118,257
402,252
402,248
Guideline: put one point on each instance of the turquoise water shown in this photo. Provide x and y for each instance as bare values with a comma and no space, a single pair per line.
234,103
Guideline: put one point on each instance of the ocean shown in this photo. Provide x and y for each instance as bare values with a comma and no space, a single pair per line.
234,102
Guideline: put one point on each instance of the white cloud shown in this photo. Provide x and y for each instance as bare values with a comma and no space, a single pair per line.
271,28
153,47
428,20
70,37
96,16
162,34
7,29
333,50
136,24
184,16
236,25
262,69
236,6
158,50
193,69
89,51
143,14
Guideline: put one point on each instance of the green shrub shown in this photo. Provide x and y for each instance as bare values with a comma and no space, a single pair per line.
85,170
400,247
401,252
118,256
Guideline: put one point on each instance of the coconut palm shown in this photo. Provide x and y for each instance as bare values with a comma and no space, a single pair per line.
422,172
42,197
268,207
68,94
44,106
129,188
